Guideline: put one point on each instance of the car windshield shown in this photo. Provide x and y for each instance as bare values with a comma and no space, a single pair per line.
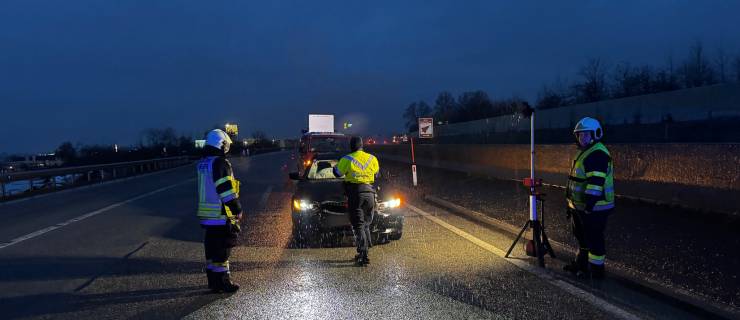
321,170
329,144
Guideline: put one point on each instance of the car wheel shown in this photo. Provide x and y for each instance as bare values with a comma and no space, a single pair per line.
398,232
396,235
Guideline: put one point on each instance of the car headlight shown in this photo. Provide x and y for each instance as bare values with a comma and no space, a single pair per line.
303,205
390,204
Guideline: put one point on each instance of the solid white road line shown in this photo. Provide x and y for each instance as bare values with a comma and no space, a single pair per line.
544,275
85,216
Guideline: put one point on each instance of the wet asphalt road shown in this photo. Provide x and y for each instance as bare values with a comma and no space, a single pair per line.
143,259
683,249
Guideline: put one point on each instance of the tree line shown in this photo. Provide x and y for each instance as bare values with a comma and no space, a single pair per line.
467,106
153,143
597,81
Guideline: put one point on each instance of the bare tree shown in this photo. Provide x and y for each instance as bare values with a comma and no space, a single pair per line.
410,116
594,85
721,63
548,98
444,107
475,105
259,135
697,70
159,138
423,109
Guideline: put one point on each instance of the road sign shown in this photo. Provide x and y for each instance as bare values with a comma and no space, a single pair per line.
426,128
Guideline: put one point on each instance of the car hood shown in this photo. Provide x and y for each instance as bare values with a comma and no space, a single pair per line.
320,191
333,190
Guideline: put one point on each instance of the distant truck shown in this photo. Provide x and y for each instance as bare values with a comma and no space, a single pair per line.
313,144
320,139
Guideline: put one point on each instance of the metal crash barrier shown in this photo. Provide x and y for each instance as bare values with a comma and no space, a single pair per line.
16,185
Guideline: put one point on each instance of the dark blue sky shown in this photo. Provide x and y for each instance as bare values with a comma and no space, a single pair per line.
96,71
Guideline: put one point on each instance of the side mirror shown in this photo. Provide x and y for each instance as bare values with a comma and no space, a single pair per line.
294,176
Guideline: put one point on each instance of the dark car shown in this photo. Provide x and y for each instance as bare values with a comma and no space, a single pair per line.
319,206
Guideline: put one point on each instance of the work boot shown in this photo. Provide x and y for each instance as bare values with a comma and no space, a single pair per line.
597,271
223,283
572,267
361,260
580,264
212,281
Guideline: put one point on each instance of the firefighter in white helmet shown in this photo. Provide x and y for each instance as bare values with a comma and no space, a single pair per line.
590,198
219,210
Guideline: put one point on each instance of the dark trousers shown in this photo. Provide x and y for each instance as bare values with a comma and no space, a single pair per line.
588,228
218,242
360,209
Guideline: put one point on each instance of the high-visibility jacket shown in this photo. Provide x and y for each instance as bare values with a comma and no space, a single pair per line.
591,180
358,167
217,197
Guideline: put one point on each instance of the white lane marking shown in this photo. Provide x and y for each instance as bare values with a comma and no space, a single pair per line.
263,200
567,287
87,215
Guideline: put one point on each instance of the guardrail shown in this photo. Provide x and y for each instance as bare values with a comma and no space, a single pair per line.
26,183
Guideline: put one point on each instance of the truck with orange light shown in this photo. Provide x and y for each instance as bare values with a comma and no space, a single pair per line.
313,144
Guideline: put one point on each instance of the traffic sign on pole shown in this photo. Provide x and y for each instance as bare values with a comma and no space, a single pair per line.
426,128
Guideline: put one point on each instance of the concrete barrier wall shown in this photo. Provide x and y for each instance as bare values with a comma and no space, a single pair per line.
703,103
699,176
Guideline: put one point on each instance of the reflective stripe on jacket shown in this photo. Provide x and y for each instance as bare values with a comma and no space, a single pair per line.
358,167
579,184
211,209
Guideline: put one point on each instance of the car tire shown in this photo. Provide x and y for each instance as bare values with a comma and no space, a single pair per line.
398,233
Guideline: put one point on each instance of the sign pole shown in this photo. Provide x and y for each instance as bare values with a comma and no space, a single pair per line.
413,163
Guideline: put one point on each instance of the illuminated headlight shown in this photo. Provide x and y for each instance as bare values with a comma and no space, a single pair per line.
303,205
390,204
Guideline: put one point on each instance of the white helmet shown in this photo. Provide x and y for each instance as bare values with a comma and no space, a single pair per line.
590,124
218,139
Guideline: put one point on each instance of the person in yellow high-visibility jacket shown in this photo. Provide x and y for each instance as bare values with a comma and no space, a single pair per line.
219,210
590,198
359,169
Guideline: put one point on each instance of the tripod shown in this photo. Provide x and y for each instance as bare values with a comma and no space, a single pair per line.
539,236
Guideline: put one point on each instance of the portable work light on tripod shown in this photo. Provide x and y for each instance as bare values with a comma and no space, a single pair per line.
539,243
